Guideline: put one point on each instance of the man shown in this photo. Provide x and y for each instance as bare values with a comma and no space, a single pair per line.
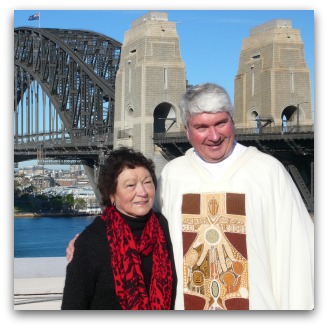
242,237
241,234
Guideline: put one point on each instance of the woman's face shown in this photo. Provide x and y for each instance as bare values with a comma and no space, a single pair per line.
135,192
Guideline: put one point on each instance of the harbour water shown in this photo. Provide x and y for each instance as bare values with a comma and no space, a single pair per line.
46,236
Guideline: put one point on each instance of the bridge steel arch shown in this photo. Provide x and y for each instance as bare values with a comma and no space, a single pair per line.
77,70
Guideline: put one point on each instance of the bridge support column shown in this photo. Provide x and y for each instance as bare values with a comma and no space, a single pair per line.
93,175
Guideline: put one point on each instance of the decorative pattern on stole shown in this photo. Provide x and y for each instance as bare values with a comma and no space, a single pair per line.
215,267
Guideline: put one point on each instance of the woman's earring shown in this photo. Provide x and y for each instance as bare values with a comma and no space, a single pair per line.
114,204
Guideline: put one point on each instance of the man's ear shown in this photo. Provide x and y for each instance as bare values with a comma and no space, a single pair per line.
187,133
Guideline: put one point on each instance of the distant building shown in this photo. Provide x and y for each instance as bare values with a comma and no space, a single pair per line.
32,170
65,182
41,182
83,181
75,170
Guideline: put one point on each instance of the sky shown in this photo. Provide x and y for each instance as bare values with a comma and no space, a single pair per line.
210,40
200,53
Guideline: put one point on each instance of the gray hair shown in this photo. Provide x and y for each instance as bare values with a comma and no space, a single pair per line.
204,98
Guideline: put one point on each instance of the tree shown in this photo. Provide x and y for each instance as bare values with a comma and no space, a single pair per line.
68,200
80,204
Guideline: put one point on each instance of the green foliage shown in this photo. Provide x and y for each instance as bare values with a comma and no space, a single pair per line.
80,203
36,203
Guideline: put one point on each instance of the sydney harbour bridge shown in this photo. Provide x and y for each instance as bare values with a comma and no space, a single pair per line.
64,106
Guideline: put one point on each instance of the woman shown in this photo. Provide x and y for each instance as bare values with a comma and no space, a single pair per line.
124,259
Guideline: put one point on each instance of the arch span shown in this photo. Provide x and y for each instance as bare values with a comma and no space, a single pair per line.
76,69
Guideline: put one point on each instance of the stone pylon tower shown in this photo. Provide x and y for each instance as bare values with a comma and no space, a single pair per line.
149,84
272,87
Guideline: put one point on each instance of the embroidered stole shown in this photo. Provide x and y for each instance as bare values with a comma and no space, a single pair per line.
215,266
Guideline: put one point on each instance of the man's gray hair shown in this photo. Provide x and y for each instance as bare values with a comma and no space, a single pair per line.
204,98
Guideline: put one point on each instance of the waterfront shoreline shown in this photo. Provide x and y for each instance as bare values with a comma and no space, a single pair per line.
37,215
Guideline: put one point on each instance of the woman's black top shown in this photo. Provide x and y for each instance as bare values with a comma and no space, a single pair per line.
89,280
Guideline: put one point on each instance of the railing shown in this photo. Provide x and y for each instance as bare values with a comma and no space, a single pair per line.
276,130
49,140
240,132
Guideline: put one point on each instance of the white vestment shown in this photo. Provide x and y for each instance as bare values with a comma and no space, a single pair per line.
279,229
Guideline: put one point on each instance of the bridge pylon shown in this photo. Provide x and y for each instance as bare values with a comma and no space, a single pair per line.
272,86
149,84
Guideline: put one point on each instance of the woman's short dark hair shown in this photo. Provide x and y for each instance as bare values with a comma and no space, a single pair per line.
115,163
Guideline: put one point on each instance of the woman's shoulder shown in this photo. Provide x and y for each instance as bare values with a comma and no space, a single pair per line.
159,215
91,248
96,226
162,219
91,232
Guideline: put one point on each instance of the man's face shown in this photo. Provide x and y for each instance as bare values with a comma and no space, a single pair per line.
212,135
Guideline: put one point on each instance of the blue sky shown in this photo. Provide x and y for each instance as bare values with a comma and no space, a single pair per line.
210,40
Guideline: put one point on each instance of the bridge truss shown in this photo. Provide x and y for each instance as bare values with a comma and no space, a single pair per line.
64,93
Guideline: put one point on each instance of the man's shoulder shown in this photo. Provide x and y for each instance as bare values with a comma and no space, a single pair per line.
264,156
255,160
178,161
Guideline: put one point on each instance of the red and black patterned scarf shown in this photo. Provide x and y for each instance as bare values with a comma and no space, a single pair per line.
126,263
